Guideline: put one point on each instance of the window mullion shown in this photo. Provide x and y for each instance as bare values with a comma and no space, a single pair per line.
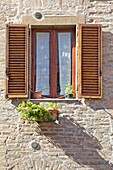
53,64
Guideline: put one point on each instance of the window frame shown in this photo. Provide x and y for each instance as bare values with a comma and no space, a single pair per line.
53,58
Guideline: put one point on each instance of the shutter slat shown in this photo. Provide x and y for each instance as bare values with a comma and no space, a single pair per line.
90,79
17,55
17,61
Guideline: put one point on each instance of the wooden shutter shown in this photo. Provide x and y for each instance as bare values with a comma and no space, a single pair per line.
90,61
17,61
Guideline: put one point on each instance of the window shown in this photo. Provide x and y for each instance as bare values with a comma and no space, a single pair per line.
53,54
53,61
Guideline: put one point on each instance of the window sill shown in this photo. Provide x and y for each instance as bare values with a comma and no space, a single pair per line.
54,99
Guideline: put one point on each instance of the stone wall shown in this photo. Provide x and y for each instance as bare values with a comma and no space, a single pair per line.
83,139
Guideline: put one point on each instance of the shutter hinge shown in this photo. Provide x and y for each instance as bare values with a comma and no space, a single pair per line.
77,88
6,96
7,71
77,84
100,72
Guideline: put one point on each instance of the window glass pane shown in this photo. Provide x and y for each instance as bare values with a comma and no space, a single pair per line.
64,61
42,62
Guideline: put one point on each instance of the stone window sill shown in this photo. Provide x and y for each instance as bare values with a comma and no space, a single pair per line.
53,99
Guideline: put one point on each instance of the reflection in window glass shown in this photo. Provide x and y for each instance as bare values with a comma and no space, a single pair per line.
64,61
42,62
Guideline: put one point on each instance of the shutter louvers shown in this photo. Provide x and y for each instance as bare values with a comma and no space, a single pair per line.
90,61
17,61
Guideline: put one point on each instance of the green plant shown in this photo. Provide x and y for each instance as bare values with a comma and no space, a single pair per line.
33,112
69,89
53,105
43,89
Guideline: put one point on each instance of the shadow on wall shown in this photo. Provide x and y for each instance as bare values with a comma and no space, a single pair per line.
76,143
107,75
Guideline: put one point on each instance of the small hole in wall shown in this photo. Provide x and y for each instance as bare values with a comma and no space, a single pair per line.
35,146
38,15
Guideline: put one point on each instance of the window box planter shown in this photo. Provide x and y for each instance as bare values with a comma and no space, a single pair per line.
54,114
69,96
53,108
37,95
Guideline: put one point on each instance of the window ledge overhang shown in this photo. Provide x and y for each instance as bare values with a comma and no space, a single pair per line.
55,99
